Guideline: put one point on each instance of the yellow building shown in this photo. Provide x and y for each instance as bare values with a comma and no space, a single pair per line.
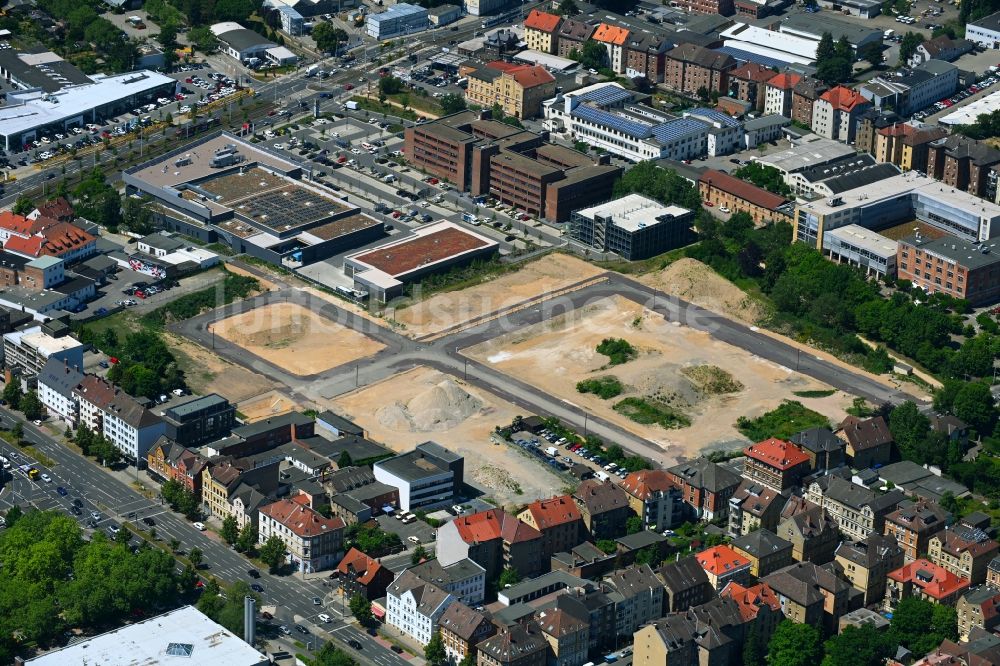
518,89
541,31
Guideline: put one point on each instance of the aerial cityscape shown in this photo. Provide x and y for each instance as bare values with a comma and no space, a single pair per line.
499,333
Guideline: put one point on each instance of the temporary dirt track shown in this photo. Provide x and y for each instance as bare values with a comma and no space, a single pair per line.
554,355
295,339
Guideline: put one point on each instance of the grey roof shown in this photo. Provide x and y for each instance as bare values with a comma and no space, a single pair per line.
411,466
513,614
349,504
766,121
100,262
433,572
991,22
349,478
461,620
370,491
634,581
340,423
866,176
641,539
438,451
703,473
684,574
70,287
857,497
807,23
259,427
818,440
530,587
836,167
358,448
161,241
761,543
60,377
516,643
49,77
962,252
870,551
429,597
194,406
801,582
244,39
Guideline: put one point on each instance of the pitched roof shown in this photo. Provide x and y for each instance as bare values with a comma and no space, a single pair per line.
574,30
109,399
870,551
363,568
684,574
753,71
754,498
703,473
554,511
28,247
461,620
818,440
936,582
601,496
720,560
542,21
610,34
761,543
740,188
958,539
64,237
647,483
751,599
843,98
701,56
863,434
776,453
428,596
22,226
801,582
56,209
531,76
558,623
59,376
811,522
634,580
920,516
517,642
809,87
784,81
303,521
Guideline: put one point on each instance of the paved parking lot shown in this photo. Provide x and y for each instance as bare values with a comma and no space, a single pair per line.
419,529
112,292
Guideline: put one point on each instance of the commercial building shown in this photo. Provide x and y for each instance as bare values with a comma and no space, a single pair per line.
518,168
51,95
384,271
414,606
312,542
856,246
203,419
952,266
518,89
900,199
909,90
738,195
26,352
762,130
690,68
985,31
400,19
801,24
185,634
940,48
426,477
923,579
778,49
249,47
633,227
444,14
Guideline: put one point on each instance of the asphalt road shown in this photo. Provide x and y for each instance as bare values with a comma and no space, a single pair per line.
115,500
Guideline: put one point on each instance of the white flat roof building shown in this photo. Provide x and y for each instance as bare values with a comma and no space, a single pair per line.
863,248
183,636
771,43
970,112
546,60
633,212
804,155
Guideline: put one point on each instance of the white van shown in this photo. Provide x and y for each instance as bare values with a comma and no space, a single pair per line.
601,476
552,451
389,178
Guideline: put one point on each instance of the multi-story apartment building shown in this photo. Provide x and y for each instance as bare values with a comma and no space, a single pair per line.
978,609
775,463
654,498
685,584
604,508
571,36
225,481
962,163
813,534
924,580
867,563
56,382
517,89
363,575
493,539
560,522
805,92
125,422
825,449
964,550
778,94
869,441
516,645
913,524
692,68
203,419
638,597
811,594
836,112
614,39
25,352
705,487
462,629
414,606
907,146
724,565
857,510
766,551
910,90
170,460
748,83
759,604
312,541
720,7
541,31
952,266
567,636
646,56
754,506
465,579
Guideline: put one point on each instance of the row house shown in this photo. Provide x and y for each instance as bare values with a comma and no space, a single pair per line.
712,634
168,460
813,534
560,522
595,609
363,575
234,487
805,92
759,606
811,594
567,636
857,510
414,606
614,39
870,123
571,36
778,94
646,56
913,524
637,595
907,146
705,487
692,69
312,541
775,463
123,420
494,540
869,441
962,163
964,550
867,563
604,508
722,565
462,629
826,451
654,498
465,579
748,83
685,584
766,551
923,579
541,31
754,506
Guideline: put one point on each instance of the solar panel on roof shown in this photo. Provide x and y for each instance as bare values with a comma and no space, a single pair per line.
678,128
716,116
746,56
624,125
606,95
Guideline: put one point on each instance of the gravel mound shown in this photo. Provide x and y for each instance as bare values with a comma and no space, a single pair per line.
441,407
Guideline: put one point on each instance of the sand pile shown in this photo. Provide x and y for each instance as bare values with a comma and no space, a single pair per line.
695,282
441,407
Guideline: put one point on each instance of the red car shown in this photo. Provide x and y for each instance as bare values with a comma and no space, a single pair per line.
525,217
396,214
708,203
433,181
348,86
189,80
140,293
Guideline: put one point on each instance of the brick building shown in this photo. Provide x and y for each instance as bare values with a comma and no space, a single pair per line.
776,463
748,83
913,524
962,163
692,68
951,266
705,486
740,196
804,95
571,36
560,522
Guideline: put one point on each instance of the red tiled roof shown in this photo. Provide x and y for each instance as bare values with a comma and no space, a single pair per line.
63,237
777,453
57,209
753,71
720,560
751,599
480,527
542,21
28,247
784,81
843,98
610,34
301,520
404,257
365,567
644,483
531,76
554,512
936,582
742,189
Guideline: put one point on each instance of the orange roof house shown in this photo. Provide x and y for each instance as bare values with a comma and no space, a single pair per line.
542,21
842,98
26,247
723,565
784,81
923,579
776,463
553,512
752,600
360,574
610,34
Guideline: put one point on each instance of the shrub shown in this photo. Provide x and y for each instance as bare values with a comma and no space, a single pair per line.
602,387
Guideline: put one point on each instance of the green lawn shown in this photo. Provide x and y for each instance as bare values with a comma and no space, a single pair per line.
787,419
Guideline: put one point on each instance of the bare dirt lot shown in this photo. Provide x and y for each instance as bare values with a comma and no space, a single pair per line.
550,273
423,404
695,282
207,373
295,339
555,355
265,406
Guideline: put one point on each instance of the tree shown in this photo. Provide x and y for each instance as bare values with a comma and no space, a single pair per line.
136,217
633,525
247,538
593,55
794,645
12,393
196,557
330,655
123,535
434,651
14,514
452,103
920,626
273,553
23,205
949,503
826,48
419,555
753,648
974,404
328,37
650,555
361,609
31,406
872,53
859,646
468,660
389,85
567,8
230,530
907,47
765,176
344,460
17,431
509,576
174,545
203,38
